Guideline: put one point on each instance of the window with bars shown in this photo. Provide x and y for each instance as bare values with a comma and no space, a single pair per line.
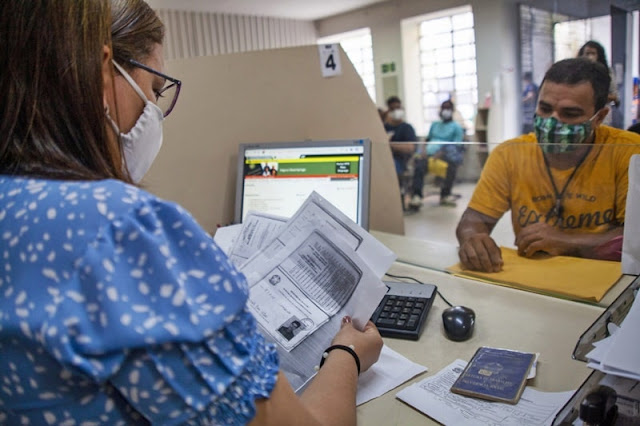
570,36
448,66
547,37
359,48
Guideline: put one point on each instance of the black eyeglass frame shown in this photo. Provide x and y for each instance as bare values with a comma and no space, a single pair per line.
175,82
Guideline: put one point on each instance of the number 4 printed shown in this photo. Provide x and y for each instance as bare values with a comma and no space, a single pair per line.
330,60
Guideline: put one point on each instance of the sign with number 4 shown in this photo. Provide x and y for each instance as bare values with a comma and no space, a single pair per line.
330,60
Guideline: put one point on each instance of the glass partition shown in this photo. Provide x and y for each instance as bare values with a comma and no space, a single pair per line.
516,184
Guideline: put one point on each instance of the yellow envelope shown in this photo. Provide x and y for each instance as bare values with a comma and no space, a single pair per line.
561,276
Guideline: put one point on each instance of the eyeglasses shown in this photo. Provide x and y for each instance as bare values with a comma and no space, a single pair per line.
166,97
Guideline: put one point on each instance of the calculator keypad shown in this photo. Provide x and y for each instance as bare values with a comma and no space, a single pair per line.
401,312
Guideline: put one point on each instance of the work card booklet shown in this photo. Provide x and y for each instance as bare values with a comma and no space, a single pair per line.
495,374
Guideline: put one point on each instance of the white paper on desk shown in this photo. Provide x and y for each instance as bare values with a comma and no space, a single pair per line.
320,280
631,236
433,397
391,370
317,212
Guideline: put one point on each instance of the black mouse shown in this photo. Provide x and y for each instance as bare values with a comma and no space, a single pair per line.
458,322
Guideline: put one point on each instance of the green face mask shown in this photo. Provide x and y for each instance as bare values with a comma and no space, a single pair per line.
555,136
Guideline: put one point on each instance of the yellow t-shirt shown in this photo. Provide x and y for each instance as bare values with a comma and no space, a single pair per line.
515,178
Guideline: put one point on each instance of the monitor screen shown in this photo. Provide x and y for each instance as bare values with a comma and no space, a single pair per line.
277,177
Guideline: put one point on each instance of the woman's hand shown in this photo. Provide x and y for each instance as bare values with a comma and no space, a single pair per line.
367,343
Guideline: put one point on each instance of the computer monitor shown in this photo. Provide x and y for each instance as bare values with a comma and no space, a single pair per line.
277,177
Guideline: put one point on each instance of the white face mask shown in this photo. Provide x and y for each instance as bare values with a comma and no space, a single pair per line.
397,114
446,114
142,144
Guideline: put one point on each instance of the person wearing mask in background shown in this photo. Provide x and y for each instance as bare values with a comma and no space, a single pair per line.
446,130
594,51
565,184
383,115
117,307
529,101
401,131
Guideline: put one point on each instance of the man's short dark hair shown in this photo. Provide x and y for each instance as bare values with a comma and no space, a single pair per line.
393,100
577,70
447,103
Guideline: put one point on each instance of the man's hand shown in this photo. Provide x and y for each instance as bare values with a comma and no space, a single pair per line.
543,237
481,253
478,251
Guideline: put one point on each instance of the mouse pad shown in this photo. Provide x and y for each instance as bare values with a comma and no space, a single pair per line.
561,276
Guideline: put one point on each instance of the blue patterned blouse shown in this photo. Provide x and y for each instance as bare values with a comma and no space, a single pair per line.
117,308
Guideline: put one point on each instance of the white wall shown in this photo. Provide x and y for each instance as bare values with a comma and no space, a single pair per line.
497,36
497,52
384,20
197,33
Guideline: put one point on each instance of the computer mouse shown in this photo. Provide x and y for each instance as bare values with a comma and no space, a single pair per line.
458,322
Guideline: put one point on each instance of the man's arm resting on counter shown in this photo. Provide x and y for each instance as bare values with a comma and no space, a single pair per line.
544,237
478,251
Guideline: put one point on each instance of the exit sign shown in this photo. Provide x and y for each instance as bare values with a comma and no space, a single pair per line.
388,67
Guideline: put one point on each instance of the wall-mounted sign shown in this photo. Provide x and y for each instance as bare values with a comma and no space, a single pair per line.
388,67
330,60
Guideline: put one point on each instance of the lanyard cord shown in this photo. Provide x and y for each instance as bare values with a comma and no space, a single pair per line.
557,209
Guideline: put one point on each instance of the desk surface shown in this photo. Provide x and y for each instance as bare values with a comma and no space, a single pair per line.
439,256
505,318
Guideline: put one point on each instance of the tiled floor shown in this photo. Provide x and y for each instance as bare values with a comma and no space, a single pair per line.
438,223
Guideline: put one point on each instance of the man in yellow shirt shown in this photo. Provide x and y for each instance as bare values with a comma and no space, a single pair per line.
565,184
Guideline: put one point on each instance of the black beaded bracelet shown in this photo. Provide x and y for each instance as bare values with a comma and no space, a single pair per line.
344,348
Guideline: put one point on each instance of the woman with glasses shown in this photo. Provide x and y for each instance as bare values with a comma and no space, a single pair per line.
115,306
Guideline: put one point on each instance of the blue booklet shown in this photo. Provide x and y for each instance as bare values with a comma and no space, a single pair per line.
495,374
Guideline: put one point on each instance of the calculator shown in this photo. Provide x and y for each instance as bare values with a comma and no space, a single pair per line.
403,311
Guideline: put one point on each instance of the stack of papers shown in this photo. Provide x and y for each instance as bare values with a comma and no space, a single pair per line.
305,274
619,354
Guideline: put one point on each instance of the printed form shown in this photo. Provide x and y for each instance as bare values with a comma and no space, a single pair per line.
433,397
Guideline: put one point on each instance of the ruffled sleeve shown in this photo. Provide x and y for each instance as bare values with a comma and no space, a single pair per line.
160,313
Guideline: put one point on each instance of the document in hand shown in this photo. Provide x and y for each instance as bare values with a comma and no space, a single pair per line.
561,276
305,276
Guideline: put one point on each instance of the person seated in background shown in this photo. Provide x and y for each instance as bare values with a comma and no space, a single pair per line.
117,307
565,184
401,131
594,51
452,153
383,115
